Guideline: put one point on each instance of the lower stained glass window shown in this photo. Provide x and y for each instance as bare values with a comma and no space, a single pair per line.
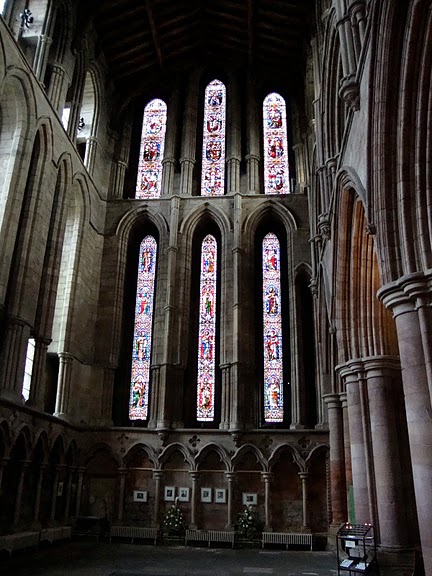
272,323
207,331
141,355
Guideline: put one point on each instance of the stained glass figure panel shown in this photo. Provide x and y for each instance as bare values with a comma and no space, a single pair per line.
272,323
207,331
152,150
142,342
213,154
276,173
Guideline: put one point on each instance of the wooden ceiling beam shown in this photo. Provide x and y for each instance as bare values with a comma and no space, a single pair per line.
154,32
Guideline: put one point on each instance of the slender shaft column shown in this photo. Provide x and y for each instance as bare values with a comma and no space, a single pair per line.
68,493
230,476
92,144
157,476
57,88
305,522
186,175
168,163
64,383
168,168
337,461
81,472
357,442
347,452
41,56
36,509
120,172
19,494
233,134
253,139
77,97
194,477
225,397
12,360
187,159
405,298
266,476
122,477
37,386
55,493
3,464
233,175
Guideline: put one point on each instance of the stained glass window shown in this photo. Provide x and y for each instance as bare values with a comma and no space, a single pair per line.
140,378
213,154
276,173
207,331
152,150
272,322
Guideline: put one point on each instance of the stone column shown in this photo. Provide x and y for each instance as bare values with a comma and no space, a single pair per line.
266,476
81,472
54,492
157,476
119,176
38,377
383,378
225,397
253,138
347,452
168,162
305,523
63,407
122,477
17,511
230,476
92,144
68,493
57,88
41,56
188,148
194,477
36,509
233,134
3,464
337,461
405,298
349,90
12,360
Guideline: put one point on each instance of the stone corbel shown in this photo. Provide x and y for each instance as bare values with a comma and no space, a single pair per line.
349,91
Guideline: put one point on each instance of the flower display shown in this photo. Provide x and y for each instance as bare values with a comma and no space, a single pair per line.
173,522
248,524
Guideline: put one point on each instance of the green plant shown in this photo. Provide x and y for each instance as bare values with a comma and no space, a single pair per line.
248,524
173,522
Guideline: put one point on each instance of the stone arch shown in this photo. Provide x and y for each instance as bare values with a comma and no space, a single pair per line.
2,62
276,454
249,449
176,447
90,454
205,210
5,440
215,448
141,447
41,443
23,433
269,209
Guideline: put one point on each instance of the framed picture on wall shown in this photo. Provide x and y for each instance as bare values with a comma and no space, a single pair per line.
206,494
169,493
250,499
140,496
183,495
220,496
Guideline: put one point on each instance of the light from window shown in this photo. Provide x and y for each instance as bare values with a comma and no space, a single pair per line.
272,322
152,150
276,173
207,331
28,368
141,354
2,6
65,117
213,155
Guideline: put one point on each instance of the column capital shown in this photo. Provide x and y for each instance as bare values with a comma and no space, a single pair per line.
408,293
230,476
122,471
158,474
250,157
67,357
267,476
184,159
380,364
303,475
332,400
194,474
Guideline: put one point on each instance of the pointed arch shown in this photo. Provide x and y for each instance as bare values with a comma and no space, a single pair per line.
171,449
250,449
212,447
141,447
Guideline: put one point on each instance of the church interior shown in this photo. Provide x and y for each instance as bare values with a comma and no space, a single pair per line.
216,266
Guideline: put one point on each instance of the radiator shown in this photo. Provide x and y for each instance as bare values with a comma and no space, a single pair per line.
286,538
134,532
209,536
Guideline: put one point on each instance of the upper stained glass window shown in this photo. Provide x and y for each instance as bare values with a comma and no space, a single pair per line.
276,173
207,331
213,154
141,355
272,323
152,149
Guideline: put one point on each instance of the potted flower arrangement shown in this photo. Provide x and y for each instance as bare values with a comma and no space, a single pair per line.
173,522
248,525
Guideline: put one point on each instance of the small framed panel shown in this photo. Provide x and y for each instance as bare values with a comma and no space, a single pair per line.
250,499
183,494
220,496
206,494
169,493
140,495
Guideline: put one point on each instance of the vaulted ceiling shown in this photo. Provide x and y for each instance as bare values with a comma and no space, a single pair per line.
145,39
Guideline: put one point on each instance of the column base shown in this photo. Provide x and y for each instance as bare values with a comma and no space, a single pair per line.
400,559
297,427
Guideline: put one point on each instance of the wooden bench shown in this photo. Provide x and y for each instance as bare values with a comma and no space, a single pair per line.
209,536
287,538
56,534
134,532
19,541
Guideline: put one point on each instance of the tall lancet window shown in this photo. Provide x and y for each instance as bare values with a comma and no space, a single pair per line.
272,323
140,378
213,154
152,149
207,331
276,173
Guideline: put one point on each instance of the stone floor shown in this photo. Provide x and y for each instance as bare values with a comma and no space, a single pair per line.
103,559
